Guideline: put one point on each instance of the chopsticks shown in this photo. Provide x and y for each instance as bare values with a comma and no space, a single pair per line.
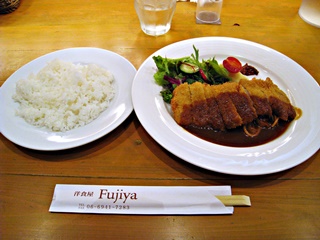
235,200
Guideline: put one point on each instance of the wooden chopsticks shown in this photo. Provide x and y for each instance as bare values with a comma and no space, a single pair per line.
235,200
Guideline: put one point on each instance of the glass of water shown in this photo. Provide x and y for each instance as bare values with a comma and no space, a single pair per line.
208,11
155,15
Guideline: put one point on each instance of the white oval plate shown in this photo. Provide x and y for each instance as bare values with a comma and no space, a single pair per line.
296,145
20,132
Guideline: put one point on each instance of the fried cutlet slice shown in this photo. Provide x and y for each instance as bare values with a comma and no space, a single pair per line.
229,105
230,116
215,118
279,101
200,110
242,102
258,97
181,105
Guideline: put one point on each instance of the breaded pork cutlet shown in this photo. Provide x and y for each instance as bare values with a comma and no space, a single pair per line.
181,105
258,97
279,102
229,105
200,112
230,116
242,102
215,118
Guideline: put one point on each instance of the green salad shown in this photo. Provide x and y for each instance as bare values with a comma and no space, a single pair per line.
173,72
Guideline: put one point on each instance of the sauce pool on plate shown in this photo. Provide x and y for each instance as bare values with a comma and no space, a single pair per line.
236,137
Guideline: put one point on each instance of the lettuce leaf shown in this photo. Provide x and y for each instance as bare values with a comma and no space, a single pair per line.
169,75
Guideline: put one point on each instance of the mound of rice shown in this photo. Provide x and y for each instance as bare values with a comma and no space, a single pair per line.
63,95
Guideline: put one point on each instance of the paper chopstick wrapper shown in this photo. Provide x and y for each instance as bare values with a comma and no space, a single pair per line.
144,200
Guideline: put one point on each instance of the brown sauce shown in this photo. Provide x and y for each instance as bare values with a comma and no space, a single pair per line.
237,137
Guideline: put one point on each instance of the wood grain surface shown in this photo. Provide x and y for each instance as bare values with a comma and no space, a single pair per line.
285,205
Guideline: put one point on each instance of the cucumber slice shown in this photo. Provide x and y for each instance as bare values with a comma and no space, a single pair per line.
188,67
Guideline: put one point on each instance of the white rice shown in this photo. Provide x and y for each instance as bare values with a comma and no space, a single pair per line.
63,95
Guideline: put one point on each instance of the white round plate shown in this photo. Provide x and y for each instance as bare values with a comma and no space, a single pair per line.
296,145
20,132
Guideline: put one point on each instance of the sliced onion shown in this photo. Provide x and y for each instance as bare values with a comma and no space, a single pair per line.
276,120
264,123
268,124
251,133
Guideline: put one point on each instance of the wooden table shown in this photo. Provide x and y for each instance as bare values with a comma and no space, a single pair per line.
285,205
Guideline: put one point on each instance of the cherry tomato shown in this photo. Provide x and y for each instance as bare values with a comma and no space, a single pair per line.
232,64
